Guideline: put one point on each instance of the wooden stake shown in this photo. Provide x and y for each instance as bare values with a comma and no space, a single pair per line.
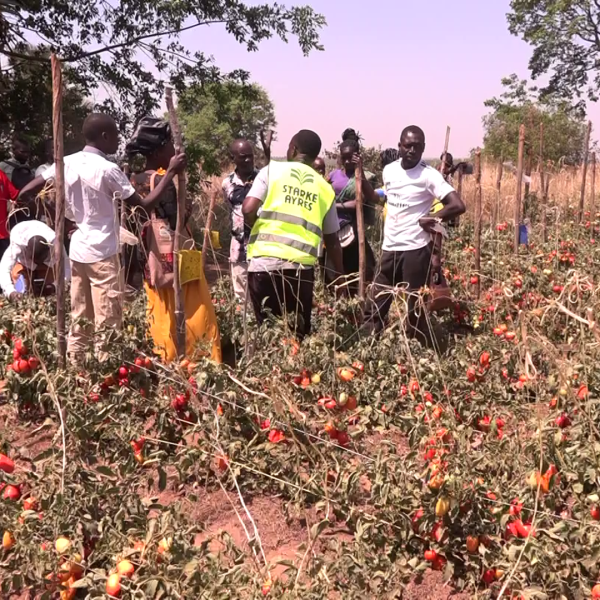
360,222
496,207
59,223
588,133
527,173
208,223
518,196
593,194
478,221
181,199
446,144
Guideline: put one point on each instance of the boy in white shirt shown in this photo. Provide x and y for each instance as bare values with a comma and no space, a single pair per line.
411,187
93,185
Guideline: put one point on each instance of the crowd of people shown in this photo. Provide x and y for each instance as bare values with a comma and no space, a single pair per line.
286,219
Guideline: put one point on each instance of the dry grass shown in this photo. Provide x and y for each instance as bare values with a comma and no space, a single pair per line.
564,191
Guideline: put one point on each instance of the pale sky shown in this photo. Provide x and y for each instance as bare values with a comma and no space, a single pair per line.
386,64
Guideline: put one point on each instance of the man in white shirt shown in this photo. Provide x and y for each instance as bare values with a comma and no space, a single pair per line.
93,186
411,187
30,255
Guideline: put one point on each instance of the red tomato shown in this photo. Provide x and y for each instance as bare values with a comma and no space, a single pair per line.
34,363
489,576
484,359
430,555
515,508
11,492
138,445
582,394
343,438
595,512
563,421
21,347
179,403
471,374
24,367
352,403
123,372
6,464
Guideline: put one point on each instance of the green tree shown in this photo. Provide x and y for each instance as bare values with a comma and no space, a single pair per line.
215,114
565,35
110,43
519,104
26,107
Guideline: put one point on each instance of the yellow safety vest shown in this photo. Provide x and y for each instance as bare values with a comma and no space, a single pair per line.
290,223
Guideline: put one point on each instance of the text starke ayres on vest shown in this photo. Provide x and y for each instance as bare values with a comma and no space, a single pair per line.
299,197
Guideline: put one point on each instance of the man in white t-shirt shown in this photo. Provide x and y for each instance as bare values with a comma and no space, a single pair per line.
93,187
411,187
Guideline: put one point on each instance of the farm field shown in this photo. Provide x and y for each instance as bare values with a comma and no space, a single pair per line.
339,468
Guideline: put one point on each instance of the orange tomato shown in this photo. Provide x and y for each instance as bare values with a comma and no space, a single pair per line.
472,544
8,540
125,568
113,585
346,374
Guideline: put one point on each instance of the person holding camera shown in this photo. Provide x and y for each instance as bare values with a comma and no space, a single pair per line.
27,267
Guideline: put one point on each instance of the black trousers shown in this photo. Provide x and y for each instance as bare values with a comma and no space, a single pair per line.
411,267
287,292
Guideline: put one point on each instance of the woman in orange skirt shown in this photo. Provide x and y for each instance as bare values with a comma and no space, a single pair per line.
152,139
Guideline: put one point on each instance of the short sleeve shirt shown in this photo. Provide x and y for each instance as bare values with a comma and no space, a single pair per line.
93,186
237,250
259,190
410,197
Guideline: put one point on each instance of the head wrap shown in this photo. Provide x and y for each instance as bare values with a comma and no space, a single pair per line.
149,135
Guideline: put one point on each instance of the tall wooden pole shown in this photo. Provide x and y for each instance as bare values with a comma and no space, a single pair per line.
360,222
125,266
478,221
59,223
181,199
496,207
543,197
593,194
588,133
519,196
